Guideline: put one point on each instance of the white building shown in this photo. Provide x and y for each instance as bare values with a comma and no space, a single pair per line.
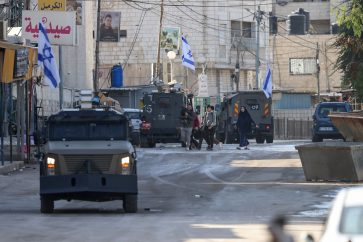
213,29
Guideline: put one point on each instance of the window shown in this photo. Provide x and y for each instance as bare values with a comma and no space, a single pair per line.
235,29
247,29
352,220
302,66
111,130
239,29
164,102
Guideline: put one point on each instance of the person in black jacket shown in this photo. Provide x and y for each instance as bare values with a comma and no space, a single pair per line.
243,124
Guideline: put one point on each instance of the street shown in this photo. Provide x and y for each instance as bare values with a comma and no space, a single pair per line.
189,196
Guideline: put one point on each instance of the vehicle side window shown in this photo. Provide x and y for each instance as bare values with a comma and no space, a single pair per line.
324,112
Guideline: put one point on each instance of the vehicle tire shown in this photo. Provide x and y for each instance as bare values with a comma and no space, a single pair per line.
317,138
143,141
230,139
46,204
269,139
151,144
130,203
260,140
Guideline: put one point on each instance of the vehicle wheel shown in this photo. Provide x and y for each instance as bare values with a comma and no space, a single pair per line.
230,139
260,140
317,138
46,204
143,141
151,144
269,139
130,203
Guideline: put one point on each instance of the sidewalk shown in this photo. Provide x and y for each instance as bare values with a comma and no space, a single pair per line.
10,167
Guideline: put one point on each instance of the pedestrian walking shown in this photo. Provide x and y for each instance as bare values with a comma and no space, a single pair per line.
209,124
194,143
243,124
186,125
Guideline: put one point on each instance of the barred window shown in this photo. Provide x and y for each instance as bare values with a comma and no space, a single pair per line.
302,66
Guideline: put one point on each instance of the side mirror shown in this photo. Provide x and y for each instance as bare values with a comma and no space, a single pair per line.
314,117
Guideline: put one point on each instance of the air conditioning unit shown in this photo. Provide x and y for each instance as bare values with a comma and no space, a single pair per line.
3,30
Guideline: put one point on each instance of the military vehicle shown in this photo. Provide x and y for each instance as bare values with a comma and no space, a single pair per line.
161,117
258,106
88,157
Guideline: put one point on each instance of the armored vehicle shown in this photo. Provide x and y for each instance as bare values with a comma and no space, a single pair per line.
258,106
88,157
160,120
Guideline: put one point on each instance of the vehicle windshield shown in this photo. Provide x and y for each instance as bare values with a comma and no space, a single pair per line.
132,115
99,130
352,220
324,111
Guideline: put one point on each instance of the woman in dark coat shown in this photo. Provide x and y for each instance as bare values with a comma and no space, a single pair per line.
243,124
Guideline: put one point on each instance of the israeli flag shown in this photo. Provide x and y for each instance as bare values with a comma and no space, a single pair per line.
187,58
46,58
267,85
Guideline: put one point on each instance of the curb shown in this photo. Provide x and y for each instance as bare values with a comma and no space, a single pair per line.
10,167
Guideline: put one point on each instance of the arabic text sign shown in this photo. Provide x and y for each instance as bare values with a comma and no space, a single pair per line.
60,26
203,85
52,5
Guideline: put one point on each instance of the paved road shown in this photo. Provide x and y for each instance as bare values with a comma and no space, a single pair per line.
189,196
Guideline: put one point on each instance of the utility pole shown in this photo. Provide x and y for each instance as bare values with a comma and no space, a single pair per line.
318,69
157,68
258,16
97,51
237,67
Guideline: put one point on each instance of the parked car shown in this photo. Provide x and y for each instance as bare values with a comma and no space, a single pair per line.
134,117
323,127
345,220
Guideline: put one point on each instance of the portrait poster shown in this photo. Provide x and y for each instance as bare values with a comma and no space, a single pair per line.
169,38
110,26
76,5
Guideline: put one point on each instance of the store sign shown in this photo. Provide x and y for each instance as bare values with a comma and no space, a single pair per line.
52,5
60,26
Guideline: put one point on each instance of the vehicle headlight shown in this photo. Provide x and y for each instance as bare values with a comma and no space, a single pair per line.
50,166
125,165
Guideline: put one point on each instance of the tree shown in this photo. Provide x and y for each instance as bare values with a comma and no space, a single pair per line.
350,45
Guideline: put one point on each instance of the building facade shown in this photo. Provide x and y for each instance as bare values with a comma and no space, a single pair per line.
215,30
306,63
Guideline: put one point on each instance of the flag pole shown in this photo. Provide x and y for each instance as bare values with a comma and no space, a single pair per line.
61,78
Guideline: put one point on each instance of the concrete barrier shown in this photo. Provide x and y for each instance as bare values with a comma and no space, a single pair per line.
332,161
350,125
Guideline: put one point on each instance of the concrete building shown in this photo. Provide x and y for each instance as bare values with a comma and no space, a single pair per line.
214,30
296,58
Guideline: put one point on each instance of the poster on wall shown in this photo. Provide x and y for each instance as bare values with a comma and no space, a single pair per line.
110,26
76,5
203,85
169,38
52,5
21,64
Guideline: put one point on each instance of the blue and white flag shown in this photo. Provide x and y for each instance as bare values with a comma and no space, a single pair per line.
187,58
46,58
267,85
